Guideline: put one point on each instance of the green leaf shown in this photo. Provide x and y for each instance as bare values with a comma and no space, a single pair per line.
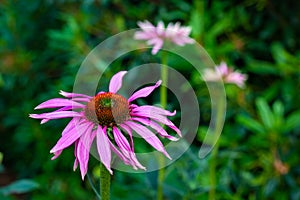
251,124
261,67
265,113
18,187
1,157
1,81
197,20
278,111
292,121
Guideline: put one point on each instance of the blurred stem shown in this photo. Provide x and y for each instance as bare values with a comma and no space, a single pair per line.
164,78
214,153
163,103
104,183
212,173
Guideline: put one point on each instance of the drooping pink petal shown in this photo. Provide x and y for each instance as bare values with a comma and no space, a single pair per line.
125,148
116,81
75,154
103,147
157,46
73,95
148,136
158,118
75,165
56,154
71,125
153,110
83,150
81,99
70,137
59,102
156,127
128,130
121,140
56,115
119,154
236,78
82,158
43,121
144,92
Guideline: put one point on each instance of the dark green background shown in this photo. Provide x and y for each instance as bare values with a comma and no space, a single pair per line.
43,43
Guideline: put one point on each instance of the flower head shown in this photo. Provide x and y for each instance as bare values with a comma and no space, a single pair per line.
222,72
157,35
110,119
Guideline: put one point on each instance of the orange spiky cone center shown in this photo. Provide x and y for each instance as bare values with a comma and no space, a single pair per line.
107,109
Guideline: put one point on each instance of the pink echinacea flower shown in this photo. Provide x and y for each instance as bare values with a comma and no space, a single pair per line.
109,119
157,35
222,72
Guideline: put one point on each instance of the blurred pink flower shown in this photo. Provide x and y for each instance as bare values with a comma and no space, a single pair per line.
107,118
157,35
222,72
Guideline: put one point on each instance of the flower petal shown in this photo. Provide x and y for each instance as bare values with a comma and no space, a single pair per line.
144,92
56,154
125,148
43,121
70,137
83,150
72,124
103,147
139,35
236,78
153,109
75,154
158,118
157,46
146,25
116,81
156,127
59,102
121,156
81,99
128,130
148,136
223,69
73,95
56,115
160,30
121,140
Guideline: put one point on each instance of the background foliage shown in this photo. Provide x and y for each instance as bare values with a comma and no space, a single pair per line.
43,43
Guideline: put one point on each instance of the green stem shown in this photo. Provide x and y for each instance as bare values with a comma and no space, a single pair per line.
104,183
163,102
212,173
214,153
164,78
